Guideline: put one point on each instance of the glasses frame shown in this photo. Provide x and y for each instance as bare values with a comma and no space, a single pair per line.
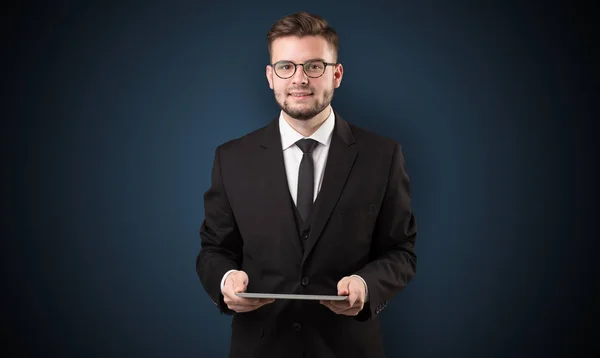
303,68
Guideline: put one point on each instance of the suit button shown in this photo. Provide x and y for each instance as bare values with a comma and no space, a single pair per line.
297,327
305,235
305,281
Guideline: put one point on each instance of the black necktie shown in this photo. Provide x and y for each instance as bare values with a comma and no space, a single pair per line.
306,177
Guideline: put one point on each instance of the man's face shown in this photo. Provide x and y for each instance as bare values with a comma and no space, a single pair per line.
300,96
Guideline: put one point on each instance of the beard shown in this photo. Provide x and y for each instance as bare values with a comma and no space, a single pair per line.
304,111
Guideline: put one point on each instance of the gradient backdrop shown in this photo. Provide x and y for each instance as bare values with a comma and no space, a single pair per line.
114,112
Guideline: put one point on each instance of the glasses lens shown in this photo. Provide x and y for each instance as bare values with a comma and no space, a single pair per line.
314,68
284,69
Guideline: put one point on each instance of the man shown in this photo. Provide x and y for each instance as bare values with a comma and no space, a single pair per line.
308,204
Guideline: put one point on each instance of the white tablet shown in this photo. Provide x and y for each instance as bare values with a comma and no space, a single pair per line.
288,296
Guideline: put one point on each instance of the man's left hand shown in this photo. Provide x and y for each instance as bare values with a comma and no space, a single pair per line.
356,291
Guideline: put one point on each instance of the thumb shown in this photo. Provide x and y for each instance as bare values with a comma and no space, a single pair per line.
343,286
239,284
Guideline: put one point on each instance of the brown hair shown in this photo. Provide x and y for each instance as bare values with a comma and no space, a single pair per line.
303,24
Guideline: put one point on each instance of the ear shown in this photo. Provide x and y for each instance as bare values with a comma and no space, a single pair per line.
338,73
269,74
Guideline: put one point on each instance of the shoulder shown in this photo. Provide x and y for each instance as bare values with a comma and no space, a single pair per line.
245,142
367,139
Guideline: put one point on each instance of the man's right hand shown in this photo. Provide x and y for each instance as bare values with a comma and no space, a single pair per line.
237,282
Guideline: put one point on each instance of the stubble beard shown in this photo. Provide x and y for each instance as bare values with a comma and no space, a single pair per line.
301,112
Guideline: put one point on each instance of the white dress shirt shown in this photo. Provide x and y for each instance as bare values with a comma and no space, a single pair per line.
292,155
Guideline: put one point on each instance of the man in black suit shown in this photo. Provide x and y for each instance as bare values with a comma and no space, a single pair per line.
308,204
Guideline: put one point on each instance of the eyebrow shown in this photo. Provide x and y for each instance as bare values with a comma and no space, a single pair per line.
310,59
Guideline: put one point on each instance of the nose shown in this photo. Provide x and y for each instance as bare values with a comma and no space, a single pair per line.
299,76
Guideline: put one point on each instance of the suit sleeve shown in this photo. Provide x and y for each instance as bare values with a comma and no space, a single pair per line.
221,244
393,260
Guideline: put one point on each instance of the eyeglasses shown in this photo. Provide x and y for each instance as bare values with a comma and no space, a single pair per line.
313,68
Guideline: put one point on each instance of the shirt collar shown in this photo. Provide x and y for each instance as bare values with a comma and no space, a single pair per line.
289,136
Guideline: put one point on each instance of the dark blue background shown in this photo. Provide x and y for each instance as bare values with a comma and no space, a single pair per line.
114,112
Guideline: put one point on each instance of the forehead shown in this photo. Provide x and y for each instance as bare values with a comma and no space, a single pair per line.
299,49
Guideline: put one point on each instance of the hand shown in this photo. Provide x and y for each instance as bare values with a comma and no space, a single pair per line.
356,291
237,282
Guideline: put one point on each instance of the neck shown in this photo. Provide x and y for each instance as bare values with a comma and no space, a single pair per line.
309,126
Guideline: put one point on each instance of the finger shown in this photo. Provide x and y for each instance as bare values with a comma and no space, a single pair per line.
249,307
267,301
351,312
262,301
230,297
251,302
330,306
230,294
341,305
248,301
241,309
347,311
336,306
344,304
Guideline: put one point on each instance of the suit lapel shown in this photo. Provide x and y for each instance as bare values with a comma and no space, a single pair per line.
340,160
276,189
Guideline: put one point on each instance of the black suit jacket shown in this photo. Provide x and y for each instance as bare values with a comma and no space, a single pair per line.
362,223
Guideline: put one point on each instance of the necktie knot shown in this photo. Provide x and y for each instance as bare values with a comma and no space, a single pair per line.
307,145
